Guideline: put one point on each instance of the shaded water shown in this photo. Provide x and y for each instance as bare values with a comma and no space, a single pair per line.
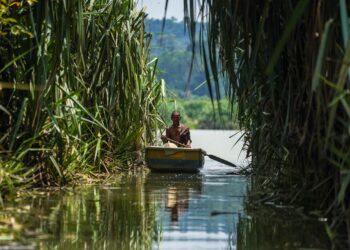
158,211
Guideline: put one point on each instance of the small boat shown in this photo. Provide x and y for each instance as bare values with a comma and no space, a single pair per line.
166,159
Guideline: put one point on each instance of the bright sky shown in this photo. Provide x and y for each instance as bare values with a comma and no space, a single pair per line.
155,8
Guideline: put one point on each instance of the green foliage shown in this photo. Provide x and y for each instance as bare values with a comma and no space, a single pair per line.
174,50
10,12
199,113
79,96
287,66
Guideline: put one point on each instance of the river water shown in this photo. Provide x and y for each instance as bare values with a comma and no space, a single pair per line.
160,211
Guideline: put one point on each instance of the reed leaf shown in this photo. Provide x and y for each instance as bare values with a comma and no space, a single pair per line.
88,80
321,56
287,72
18,123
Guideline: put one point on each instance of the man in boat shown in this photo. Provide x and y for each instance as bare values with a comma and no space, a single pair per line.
177,132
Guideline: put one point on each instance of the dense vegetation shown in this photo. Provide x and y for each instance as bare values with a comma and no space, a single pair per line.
199,113
173,48
190,96
287,66
72,73
187,88
78,93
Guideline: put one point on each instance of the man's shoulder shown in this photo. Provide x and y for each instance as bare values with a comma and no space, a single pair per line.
183,126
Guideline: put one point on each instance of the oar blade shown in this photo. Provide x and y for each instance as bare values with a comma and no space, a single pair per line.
215,158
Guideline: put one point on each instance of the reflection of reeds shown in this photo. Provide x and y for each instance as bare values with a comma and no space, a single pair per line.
105,217
280,229
77,95
287,67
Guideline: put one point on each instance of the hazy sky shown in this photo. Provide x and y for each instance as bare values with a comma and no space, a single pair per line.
155,8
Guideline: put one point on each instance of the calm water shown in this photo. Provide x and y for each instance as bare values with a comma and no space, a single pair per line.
159,211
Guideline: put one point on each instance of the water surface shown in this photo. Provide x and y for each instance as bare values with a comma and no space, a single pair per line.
159,211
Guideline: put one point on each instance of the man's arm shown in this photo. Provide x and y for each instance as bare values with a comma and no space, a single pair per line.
186,137
167,135
189,141
163,137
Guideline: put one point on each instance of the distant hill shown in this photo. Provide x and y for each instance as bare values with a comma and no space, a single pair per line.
173,48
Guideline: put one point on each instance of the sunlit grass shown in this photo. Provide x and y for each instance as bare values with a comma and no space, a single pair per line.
80,96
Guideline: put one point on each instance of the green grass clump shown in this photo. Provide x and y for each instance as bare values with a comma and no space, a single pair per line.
77,95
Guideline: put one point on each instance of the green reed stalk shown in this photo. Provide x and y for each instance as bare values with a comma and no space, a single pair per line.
92,94
288,72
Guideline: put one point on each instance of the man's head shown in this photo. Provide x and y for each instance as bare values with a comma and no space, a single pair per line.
175,117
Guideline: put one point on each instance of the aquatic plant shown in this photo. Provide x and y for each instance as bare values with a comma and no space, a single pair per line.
286,65
77,96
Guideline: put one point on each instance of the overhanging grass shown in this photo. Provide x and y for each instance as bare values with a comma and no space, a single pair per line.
287,67
90,96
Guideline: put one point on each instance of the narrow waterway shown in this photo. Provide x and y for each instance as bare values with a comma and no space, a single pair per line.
159,211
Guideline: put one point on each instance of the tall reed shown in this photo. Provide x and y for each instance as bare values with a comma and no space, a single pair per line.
287,67
78,94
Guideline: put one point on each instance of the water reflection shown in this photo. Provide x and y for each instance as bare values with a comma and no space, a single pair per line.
268,228
177,189
156,211
114,216
186,205
177,202
159,211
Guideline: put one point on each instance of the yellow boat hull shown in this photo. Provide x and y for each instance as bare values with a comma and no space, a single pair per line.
165,159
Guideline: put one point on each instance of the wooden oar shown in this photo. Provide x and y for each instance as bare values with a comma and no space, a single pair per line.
213,157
